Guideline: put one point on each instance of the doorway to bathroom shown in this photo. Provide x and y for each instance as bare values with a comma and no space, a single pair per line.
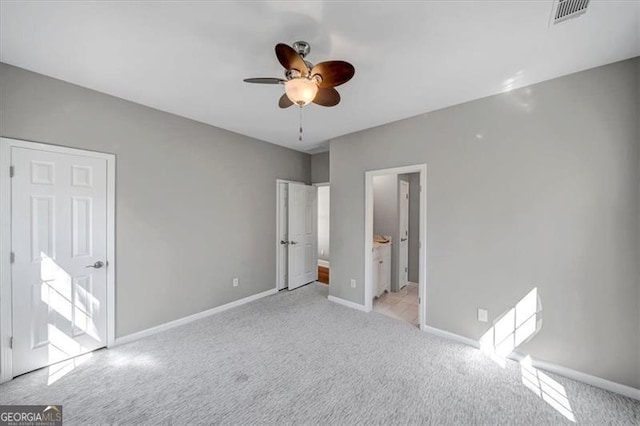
395,237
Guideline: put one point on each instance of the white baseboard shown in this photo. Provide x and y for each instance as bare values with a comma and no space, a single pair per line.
578,376
185,320
347,303
451,336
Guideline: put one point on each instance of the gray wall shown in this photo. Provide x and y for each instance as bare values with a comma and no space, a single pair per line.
320,168
195,204
414,224
535,187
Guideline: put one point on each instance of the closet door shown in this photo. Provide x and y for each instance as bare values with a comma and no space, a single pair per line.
59,238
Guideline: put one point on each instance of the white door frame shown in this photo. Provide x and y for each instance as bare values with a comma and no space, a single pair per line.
278,212
6,320
368,234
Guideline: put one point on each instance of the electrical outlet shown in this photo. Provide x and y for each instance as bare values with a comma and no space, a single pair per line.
483,315
353,283
235,282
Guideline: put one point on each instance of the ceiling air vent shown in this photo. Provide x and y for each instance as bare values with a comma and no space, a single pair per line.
566,9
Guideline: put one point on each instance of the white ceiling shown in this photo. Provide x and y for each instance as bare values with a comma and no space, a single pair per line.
189,58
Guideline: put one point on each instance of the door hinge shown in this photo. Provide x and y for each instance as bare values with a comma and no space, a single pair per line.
11,342
405,269
12,257
407,196
419,301
11,171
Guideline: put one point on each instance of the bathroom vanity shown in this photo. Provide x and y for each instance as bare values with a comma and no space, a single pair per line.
381,265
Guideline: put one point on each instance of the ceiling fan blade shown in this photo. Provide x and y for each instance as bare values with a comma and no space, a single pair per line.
264,80
327,97
284,101
333,73
290,59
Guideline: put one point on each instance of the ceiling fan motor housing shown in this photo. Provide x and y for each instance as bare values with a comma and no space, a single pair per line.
302,47
294,73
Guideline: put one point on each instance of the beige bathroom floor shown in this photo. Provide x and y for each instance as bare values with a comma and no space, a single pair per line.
402,305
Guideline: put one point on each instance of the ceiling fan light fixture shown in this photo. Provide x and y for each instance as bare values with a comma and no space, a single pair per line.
301,91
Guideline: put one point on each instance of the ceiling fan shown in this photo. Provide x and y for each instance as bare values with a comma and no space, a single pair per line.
304,82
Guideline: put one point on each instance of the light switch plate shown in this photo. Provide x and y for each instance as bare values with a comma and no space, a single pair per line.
483,315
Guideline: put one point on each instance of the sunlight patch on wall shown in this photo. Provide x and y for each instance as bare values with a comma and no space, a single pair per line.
515,327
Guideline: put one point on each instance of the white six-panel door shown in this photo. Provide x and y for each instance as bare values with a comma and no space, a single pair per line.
303,240
283,236
59,239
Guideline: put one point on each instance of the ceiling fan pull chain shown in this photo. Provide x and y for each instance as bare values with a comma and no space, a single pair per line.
300,124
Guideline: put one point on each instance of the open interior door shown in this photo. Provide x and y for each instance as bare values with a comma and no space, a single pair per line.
303,235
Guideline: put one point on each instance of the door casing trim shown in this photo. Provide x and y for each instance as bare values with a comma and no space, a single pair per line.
6,317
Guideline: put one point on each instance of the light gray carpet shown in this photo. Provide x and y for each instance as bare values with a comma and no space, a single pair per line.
296,358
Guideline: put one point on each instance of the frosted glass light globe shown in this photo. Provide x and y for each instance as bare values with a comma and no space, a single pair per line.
301,90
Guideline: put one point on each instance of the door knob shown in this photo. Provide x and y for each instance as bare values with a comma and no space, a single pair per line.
283,242
403,239
96,265
293,242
